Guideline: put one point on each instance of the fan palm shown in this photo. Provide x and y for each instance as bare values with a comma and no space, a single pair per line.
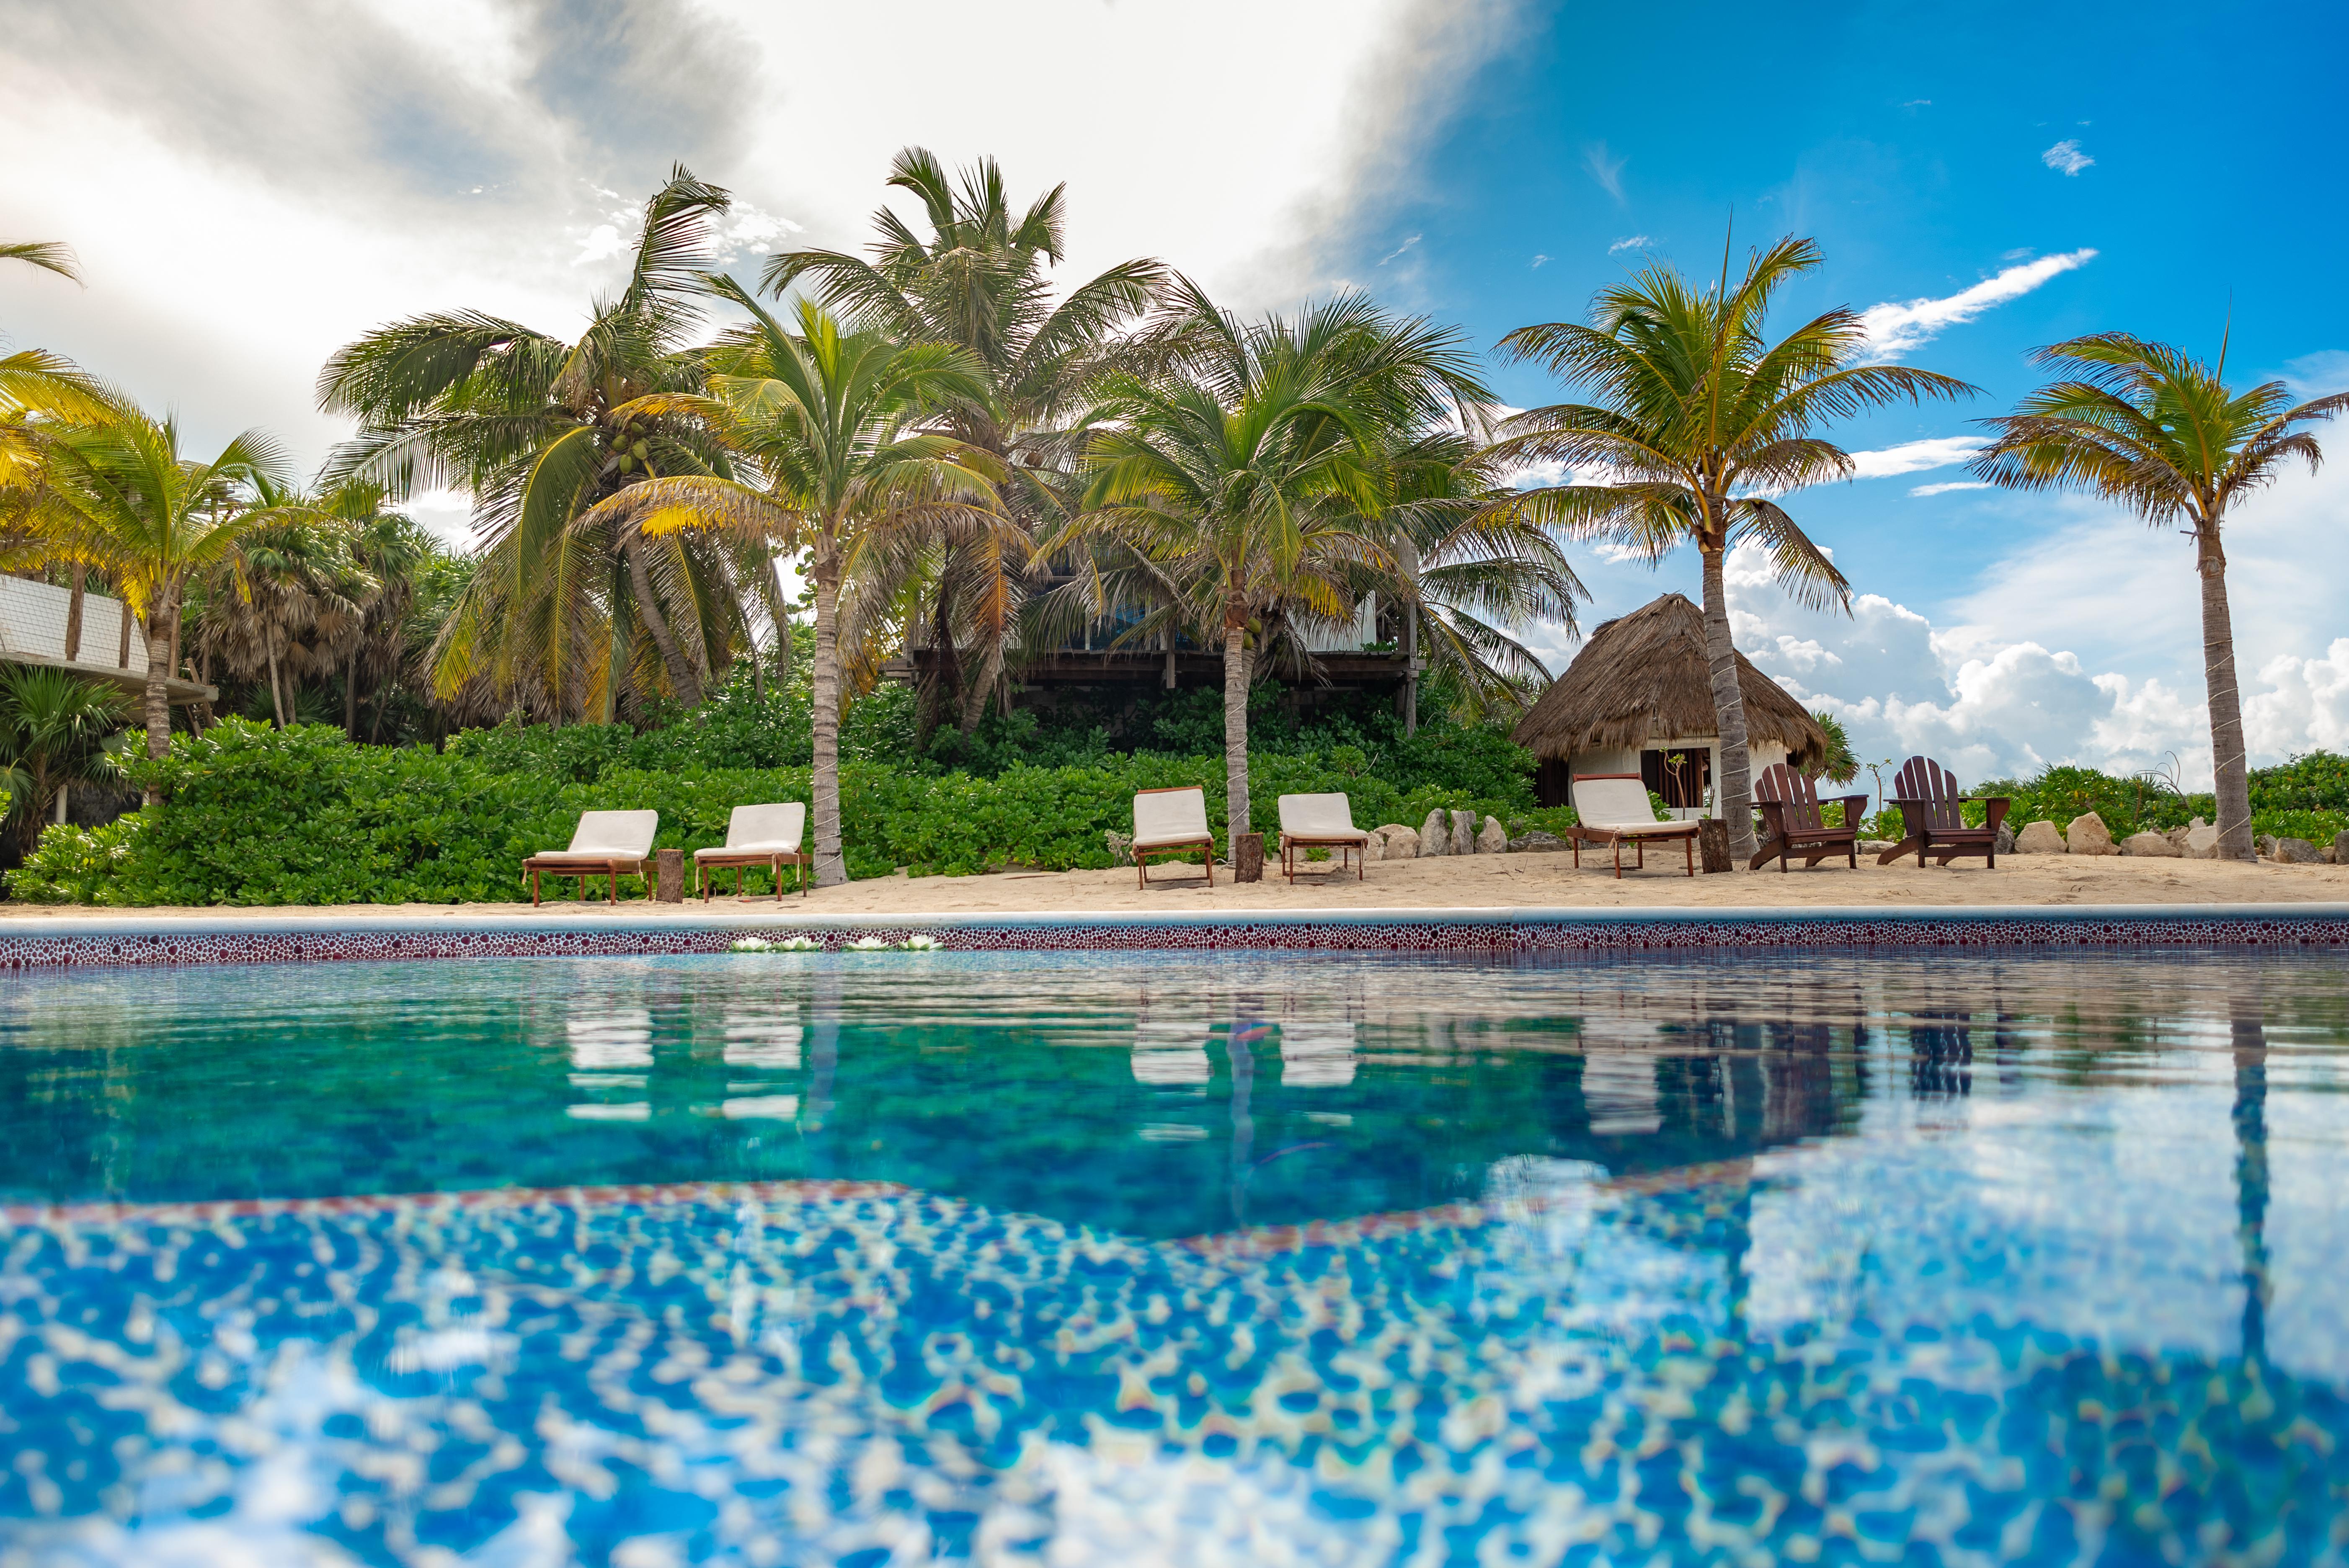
288,602
122,497
1257,469
1698,421
52,729
980,281
2147,426
530,425
819,415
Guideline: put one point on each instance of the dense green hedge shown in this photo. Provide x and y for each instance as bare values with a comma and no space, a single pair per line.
2306,798
255,816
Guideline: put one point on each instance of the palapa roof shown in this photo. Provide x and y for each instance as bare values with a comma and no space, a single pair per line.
1643,678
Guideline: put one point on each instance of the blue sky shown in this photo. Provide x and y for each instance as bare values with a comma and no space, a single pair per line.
250,189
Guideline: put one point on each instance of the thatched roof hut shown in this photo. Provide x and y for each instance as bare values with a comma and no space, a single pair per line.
1641,683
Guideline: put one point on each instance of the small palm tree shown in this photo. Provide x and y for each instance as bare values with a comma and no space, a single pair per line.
530,425
288,602
53,730
1698,421
122,497
1257,471
817,418
2146,426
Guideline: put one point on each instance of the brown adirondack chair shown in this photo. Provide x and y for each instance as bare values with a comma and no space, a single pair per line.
1927,796
1790,814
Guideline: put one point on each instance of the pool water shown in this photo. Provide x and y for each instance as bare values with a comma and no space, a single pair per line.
1245,1258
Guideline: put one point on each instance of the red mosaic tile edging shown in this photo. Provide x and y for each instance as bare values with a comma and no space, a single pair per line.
178,940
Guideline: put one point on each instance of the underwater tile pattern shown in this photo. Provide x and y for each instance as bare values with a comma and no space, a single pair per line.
190,940
1180,1260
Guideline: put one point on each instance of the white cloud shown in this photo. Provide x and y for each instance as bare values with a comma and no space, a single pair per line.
1630,243
1605,169
2066,156
1913,456
2308,707
1399,250
2317,374
1538,261
1946,487
1896,328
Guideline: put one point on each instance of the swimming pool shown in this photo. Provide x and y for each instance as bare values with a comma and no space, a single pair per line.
1062,1258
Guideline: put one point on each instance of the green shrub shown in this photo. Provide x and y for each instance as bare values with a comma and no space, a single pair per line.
2306,798
256,816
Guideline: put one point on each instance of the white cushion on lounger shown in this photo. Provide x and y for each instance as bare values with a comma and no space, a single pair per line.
763,830
609,836
1619,806
1169,817
1320,816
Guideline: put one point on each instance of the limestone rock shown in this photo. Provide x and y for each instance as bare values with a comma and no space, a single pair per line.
2039,838
1875,846
2154,844
1397,842
1463,832
2005,843
2201,840
1493,840
2298,852
1435,834
1374,849
2265,846
2340,847
2088,835
1536,843
1120,847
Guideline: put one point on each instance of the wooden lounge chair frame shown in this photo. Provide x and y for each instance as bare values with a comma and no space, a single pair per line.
1789,804
1172,846
583,864
1352,839
1926,794
746,861
1638,833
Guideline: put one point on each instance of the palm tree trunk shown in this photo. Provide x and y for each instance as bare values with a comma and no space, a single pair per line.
680,673
73,611
276,702
782,626
1734,790
351,697
159,693
2251,1171
2228,762
979,687
831,866
1236,695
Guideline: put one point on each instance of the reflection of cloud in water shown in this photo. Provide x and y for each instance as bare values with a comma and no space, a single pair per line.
1171,1053
766,1106
1620,1091
1317,1055
622,1038
761,1040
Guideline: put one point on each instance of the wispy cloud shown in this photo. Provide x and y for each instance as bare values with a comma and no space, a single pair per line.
1630,243
1605,169
1538,260
1399,250
1896,328
2315,374
1915,457
2066,156
1918,103
1947,486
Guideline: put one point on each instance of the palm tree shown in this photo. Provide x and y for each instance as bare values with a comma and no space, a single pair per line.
530,425
120,496
1698,421
52,729
1256,471
289,601
50,255
978,282
2145,425
819,415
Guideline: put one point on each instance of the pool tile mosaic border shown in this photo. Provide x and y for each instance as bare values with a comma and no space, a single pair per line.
181,940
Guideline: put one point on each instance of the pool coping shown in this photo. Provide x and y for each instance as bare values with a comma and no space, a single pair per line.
182,938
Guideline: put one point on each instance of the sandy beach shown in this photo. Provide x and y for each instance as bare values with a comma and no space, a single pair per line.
1485,882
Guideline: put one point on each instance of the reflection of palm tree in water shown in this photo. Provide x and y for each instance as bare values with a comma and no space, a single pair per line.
2251,1174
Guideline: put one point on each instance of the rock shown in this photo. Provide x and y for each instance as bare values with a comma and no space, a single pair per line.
2201,840
2039,838
2265,846
1397,842
1493,840
1120,847
2298,852
2340,847
1434,835
2005,844
1536,844
1463,832
2088,835
2154,844
1875,846
1374,849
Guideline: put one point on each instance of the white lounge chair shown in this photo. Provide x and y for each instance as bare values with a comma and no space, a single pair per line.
765,836
1171,822
610,844
1320,821
1613,807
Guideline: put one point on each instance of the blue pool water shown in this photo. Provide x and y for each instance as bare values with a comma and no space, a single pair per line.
1252,1259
